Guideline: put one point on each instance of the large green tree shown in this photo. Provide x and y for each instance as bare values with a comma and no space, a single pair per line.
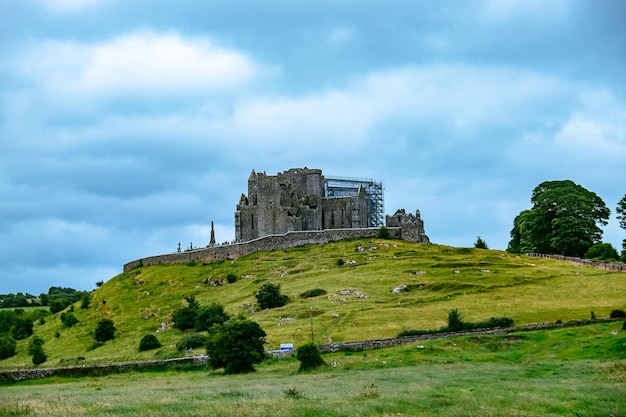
565,219
621,216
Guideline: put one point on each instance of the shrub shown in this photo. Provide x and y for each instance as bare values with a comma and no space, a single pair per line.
231,278
193,340
480,243
105,330
68,319
149,342
455,321
269,296
492,323
383,233
22,327
340,262
185,317
85,301
39,356
209,316
617,314
33,343
315,292
236,346
603,252
59,304
309,356
7,346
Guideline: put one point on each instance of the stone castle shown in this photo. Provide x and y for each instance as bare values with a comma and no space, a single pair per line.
299,206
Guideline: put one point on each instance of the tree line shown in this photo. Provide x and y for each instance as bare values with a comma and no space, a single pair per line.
20,300
566,219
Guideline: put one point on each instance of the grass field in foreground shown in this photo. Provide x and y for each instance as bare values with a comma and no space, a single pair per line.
564,372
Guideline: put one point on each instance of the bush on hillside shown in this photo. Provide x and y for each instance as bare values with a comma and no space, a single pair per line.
33,343
22,327
185,317
210,315
269,296
7,346
105,330
191,341
603,252
236,346
39,356
315,292
231,278
309,356
480,243
85,301
68,319
618,314
149,342
383,233
455,321
59,304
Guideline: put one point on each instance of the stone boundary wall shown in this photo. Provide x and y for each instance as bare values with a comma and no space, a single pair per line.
266,243
381,343
89,370
610,266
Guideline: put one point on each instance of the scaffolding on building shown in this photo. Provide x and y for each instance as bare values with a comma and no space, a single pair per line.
346,186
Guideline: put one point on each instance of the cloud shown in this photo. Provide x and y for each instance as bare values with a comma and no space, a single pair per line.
141,65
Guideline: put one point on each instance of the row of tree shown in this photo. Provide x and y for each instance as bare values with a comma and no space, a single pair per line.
566,219
19,300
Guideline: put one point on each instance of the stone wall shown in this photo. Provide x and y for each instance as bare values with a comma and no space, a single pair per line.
267,243
610,266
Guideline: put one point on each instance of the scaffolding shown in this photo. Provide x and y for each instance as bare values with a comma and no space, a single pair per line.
346,186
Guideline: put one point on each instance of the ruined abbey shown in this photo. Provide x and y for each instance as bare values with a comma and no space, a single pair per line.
300,206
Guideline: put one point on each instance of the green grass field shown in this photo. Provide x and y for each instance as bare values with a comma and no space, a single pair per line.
578,371
479,283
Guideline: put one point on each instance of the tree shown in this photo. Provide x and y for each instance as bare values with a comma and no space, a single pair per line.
35,349
603,252
269,296
68,319
22,327
621,216
564,219
236,346
185,317
149,342
309,356
480,243
455,321
210,315
105,330
59,304
7,346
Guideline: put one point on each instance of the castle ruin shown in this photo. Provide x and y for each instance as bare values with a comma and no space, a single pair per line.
300,206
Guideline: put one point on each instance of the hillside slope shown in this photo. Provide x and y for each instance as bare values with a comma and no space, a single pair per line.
359,304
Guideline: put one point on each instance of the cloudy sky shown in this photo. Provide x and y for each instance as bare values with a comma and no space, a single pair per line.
128,126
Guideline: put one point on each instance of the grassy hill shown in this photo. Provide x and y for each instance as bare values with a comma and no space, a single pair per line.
479,283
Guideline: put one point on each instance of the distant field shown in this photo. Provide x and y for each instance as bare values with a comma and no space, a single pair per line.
479,283
577,371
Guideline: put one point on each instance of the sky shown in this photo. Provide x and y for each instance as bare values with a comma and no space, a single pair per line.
127,126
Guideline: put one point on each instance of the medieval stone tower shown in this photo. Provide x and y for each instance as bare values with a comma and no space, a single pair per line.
296,200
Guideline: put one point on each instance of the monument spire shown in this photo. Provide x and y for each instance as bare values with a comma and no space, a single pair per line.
212,242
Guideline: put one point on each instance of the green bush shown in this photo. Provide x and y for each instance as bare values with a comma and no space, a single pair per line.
33,343
492,323
269,296
7,346
22,327
309,356
383,233
455,321
480,243
149,342
236,346
231,278
68,319
85,301
39,356
105,330
59,304
618,314
602,252
185,317
340,262
209,316
193,340
315,292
